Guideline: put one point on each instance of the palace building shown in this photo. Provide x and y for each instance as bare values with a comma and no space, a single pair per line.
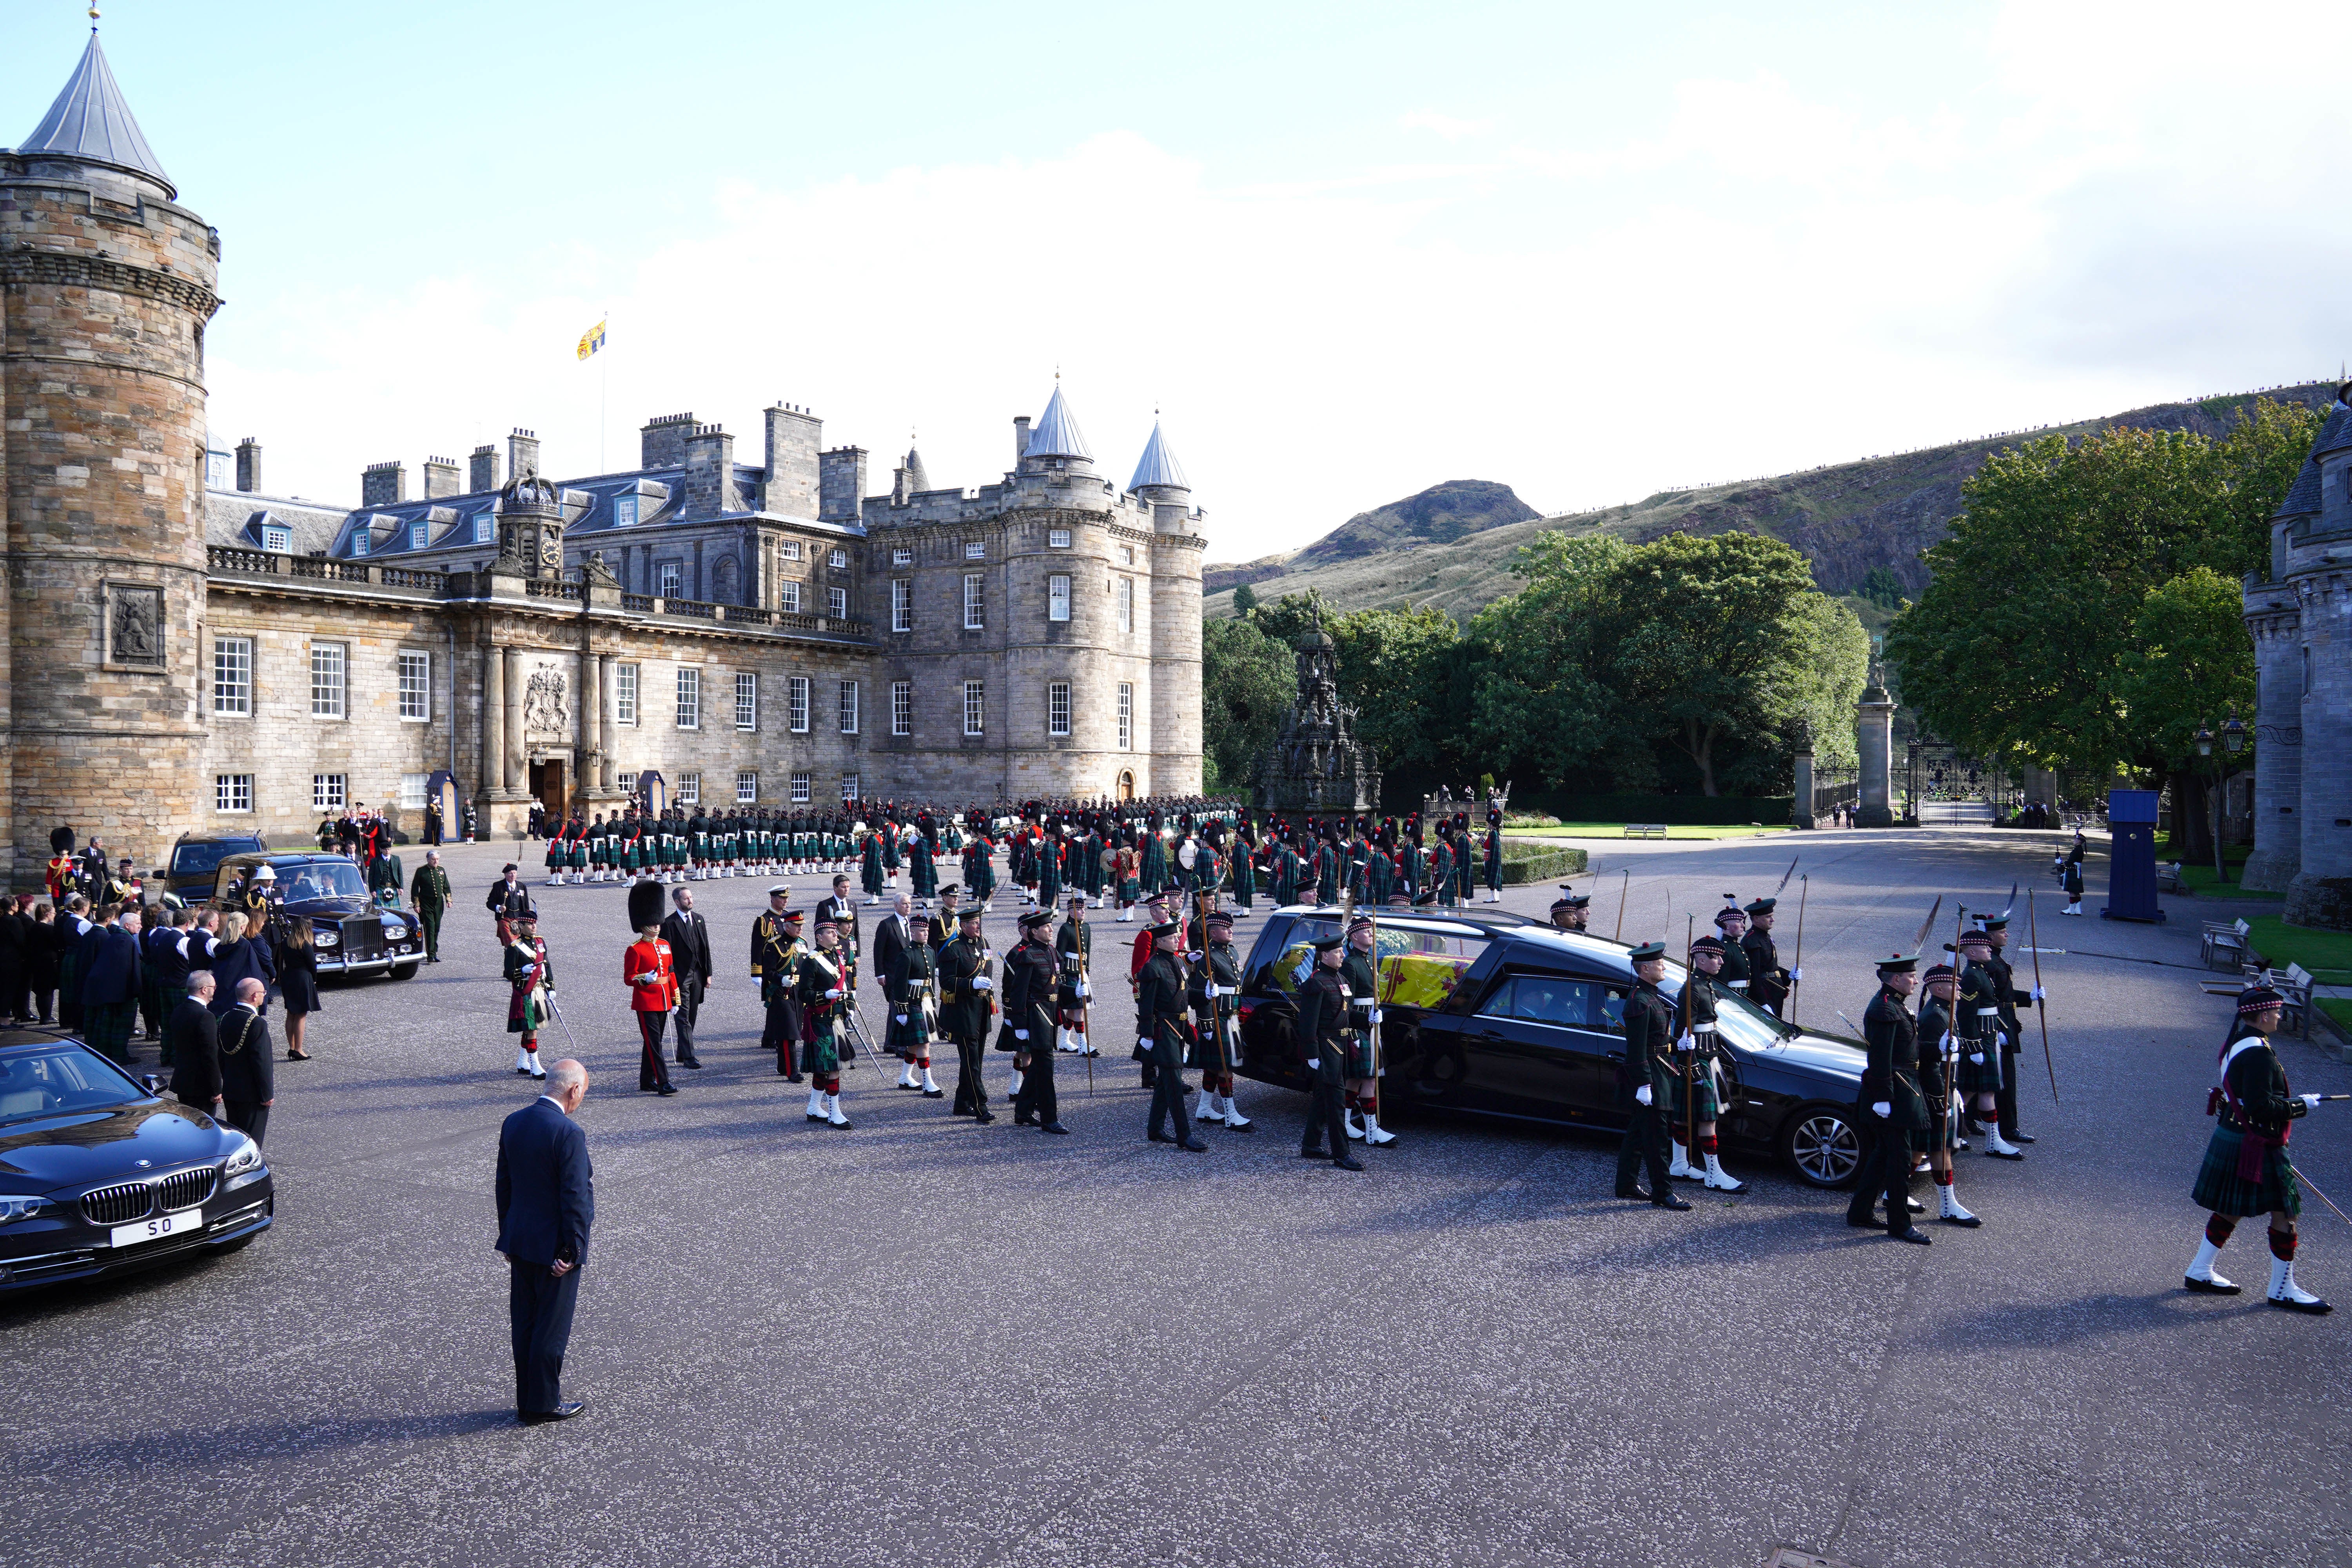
188,651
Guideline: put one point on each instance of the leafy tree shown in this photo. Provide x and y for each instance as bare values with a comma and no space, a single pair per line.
1883,588
1704,635
1245,599
1247,681
1539,706
2190,666
1393,669
2018,647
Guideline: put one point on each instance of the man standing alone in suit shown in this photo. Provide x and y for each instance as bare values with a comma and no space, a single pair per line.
547,1201
690,959
195,1034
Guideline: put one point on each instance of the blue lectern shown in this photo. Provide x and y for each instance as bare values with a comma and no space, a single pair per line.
2131,856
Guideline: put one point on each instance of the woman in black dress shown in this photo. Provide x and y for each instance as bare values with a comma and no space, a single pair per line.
297,984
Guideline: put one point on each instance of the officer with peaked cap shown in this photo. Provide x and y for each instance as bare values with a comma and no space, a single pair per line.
1642,1083
1892,1110
1029,1016
1322,1017
1768,983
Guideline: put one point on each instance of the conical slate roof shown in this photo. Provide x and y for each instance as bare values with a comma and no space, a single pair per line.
2303,497
90,120
1056,435
916,479
1159,464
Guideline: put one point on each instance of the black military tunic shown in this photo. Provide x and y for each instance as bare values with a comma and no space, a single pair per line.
1029,1010
1159,1023
1890,1076
964,1012
1768,983
1322,1017
1649,1049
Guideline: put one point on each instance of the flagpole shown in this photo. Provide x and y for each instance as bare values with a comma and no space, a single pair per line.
604,395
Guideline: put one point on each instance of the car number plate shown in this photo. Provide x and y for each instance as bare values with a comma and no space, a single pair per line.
160,1227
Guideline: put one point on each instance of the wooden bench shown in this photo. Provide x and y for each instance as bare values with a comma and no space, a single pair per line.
2225,939
2294,984
2168,877
1646,830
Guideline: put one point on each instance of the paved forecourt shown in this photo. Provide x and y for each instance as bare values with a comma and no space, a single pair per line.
926,1341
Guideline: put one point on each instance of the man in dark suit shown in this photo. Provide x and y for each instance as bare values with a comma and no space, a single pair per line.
249,1082
893,935
689,958
195,1034
509,902
547,1201
112,979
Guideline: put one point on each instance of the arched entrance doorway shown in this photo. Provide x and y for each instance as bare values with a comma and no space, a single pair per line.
1126,784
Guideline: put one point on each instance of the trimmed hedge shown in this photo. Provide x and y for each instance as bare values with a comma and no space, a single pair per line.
1528,860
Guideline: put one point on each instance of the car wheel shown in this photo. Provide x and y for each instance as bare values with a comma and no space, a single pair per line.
1820,1144
401,971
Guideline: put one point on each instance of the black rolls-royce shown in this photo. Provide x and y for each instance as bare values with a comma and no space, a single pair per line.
354,934
1492,1015
99,1173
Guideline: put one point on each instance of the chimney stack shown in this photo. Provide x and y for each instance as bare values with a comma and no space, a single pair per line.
440,478
710,472
483,469
792,484
249,465
522,454
384,484
841,484
661,443
1020,440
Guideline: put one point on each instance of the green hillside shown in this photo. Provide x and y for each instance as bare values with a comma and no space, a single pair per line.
1451,545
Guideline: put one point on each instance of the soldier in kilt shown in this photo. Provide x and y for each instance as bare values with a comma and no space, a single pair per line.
823,994
1073,954
922,871
1937,1055
556,854
1893,1110
1698,1099
1731,925
1214,993
2246,1169
1127,876
980,872
869,866
1981,1061
531,976
910,987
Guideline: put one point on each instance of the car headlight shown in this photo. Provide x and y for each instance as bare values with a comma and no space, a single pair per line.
325,939
13,1209
394,930
243,1157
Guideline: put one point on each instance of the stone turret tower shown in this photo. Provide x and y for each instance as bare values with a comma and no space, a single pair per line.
531,526
106,285
1159,484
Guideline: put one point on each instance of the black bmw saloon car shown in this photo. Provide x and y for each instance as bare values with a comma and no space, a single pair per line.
99,1175
1492,1015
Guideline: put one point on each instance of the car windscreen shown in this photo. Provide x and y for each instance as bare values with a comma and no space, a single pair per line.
1739,1021
196,859
57,1080
321,879
1419,967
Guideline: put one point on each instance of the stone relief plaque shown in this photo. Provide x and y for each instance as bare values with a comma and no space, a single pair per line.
134,625
544,711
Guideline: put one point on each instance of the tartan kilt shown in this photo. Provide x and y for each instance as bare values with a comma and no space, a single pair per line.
1981,1078
1710,1105
526,1011
555,854
2221,1189
823,1048
106,1029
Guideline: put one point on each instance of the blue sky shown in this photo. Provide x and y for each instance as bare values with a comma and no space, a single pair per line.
1349,251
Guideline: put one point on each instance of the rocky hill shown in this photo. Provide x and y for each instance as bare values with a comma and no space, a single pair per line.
1848,517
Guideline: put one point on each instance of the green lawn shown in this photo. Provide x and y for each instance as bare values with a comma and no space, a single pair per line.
1617,830
2327,955
2198,881
2338,1009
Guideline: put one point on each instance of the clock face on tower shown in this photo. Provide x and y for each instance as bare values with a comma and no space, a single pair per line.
550,551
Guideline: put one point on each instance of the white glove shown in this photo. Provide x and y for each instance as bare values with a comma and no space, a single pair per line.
1376,1015
1882,1109
897,1017
1191,958
983,982
1686,1044
1085,990
648,977
1795,976
1019,1034
834,995
2310,1101
1142,1044
2038,994
1642,1095
1977,1057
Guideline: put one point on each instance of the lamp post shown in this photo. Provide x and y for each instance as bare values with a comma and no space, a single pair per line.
2233,741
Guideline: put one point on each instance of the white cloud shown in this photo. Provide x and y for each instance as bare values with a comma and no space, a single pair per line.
1767,281
1446,125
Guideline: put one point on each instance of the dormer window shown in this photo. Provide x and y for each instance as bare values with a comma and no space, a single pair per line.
484,528
416,536
624,511
359,540
277,541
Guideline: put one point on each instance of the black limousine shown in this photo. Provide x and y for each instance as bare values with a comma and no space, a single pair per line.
1493,1014
100,1173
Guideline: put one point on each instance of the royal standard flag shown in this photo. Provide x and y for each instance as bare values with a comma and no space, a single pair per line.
591,340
